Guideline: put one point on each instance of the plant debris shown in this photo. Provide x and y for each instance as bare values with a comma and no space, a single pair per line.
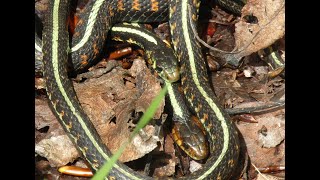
104,98
265,139
59,150
251,37
168,166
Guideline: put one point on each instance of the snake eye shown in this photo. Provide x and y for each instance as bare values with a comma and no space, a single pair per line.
159,69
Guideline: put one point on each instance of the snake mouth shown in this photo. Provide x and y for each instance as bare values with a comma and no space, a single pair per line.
172,76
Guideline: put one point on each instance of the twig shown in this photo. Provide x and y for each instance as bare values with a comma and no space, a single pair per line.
231,52
259,172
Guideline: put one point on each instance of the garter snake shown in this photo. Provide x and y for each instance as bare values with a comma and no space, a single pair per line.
62,96
274,60
224,144
91,31
223,137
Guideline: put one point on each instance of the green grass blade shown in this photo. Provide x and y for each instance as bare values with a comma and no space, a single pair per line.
105,169
148,115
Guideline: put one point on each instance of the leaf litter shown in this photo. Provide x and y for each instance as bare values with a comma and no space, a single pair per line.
265,147
249,85
109,101
251,37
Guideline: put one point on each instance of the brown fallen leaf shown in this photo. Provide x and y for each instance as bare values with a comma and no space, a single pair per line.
52,144
194,166
251,37
245,118
110,103
41,7
53,147
39,83
169,167
270,150
233,91
43,115
147,85
229,91
273,135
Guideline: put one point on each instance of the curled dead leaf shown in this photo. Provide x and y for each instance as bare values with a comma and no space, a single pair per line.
274,123
273,136
270,26
58,150
111,103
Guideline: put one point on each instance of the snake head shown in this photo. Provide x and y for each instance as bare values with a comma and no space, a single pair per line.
170,75
190,137
166,64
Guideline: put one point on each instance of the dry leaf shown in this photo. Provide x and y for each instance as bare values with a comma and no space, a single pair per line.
50,144
170,167
274,135
110,103
195,166
274,122
103,99
59,150
251,37
39,83
46,124
43,115
148,86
